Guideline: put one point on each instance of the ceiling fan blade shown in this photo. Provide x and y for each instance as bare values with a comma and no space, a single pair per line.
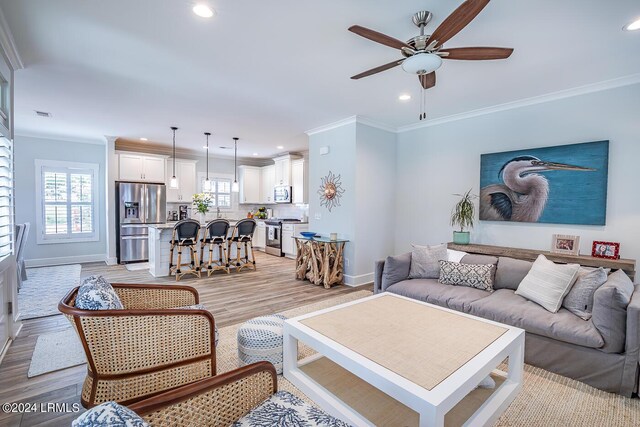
477,53
428,80
378,69
459,19
378,37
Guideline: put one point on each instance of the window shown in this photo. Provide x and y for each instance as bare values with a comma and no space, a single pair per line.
221,191
67,201
6,197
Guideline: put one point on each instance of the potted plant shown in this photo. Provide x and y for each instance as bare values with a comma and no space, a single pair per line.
201,202
462,216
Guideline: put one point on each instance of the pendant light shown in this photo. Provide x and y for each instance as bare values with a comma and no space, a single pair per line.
173,183
235,187
207,183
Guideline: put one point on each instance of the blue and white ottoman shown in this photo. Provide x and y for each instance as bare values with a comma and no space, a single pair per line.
260,339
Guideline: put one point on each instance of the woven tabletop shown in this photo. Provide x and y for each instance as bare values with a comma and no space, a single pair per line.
420,343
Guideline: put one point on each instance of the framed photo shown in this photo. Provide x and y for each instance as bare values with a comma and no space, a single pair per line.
609,250
565,244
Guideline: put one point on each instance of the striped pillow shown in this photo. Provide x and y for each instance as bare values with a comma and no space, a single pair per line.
547,283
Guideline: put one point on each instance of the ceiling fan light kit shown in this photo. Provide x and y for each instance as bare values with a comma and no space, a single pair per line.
423,54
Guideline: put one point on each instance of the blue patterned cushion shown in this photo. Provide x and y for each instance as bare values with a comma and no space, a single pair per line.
285,409
109,414
96,293
202,307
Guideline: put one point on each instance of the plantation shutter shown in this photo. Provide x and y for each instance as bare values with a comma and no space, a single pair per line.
6,197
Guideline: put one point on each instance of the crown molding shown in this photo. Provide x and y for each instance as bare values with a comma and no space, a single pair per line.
540,99
8,45
61,138
350,120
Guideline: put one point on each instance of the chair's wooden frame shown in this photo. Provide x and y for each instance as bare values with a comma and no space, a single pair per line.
242,261
146,348
178,268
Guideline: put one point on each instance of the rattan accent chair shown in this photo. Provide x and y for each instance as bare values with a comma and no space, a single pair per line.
217,401
242,235
148,347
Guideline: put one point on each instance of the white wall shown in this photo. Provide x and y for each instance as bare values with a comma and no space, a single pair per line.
26,151
437,161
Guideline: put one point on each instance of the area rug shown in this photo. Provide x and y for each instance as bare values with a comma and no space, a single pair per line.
137,266
55,351
40,294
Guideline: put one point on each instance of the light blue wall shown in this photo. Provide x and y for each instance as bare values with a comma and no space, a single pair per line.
341,161
26,151
437,161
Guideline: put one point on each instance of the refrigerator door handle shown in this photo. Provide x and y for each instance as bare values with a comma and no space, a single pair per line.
146,203
141,237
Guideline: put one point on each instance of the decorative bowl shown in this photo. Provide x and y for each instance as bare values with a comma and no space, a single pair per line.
308,234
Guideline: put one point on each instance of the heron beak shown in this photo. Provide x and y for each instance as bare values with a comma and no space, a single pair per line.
564,167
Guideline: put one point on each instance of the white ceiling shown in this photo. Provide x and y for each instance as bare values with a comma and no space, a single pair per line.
266,71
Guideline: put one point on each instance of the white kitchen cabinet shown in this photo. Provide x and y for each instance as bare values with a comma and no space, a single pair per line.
298,182
138,167
282,172
249,181
259,236
186,174
288,232
268,179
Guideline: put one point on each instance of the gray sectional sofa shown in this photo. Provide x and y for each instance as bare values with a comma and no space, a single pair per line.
602,352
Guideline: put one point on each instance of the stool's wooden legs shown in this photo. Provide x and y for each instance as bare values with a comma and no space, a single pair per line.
176,269
243,262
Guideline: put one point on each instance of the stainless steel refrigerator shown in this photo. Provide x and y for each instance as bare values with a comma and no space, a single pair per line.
138,205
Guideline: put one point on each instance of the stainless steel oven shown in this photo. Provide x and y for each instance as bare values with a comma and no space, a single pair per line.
273,238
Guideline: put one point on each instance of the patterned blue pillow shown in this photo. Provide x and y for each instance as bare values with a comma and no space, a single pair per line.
285,409
96,293
109,414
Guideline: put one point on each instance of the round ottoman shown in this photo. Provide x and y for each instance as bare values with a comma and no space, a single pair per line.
261,339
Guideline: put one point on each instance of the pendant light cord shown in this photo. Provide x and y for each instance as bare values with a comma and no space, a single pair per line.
174,129
207,134
235,160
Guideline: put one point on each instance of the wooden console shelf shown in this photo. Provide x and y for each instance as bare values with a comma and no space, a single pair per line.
627,265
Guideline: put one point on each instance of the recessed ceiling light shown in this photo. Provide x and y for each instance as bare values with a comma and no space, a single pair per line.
280,147
203,10
635,25
404,97
143,139
255,154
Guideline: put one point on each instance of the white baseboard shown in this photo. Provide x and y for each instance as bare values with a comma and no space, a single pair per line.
45,262
111,261
362,279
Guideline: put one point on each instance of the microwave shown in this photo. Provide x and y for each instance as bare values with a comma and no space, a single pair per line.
282,194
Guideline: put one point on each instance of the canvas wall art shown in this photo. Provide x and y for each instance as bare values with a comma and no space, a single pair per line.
566,184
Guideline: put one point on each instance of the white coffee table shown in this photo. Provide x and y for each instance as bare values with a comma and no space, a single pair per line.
426,357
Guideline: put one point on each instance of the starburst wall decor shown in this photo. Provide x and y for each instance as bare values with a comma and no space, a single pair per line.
330,191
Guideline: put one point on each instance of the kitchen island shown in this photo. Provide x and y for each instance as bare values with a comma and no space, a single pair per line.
160,247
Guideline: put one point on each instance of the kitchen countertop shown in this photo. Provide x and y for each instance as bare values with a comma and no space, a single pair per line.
171,224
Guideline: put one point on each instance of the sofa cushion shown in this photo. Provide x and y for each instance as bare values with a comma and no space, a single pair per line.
95,293
505,306
579,300
285,409
609,313
429,290
478,259
109,414
547,283
396,269
479,276
510,272
424,261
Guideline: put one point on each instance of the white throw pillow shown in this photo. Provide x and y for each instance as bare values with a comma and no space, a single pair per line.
455,256
547,283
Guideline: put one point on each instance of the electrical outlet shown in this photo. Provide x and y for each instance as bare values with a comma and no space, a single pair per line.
318,216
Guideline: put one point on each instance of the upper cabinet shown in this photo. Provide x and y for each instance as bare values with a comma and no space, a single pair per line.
250,187
139,167
187,182
268,178
283,169
299,182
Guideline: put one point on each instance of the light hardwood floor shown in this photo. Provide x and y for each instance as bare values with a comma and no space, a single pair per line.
231,298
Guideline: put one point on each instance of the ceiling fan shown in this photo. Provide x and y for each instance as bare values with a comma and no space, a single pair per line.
424,53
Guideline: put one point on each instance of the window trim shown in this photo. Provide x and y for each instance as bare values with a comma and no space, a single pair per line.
41,238
202,177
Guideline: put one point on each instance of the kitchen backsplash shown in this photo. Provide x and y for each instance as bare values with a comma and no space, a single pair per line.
279,211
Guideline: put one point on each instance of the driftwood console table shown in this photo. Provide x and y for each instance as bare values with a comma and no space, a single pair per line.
320,260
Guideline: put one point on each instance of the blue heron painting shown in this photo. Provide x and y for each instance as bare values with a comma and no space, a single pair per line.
566,184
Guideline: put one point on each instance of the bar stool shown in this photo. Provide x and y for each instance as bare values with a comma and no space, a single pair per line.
242,235
185,235
215,234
